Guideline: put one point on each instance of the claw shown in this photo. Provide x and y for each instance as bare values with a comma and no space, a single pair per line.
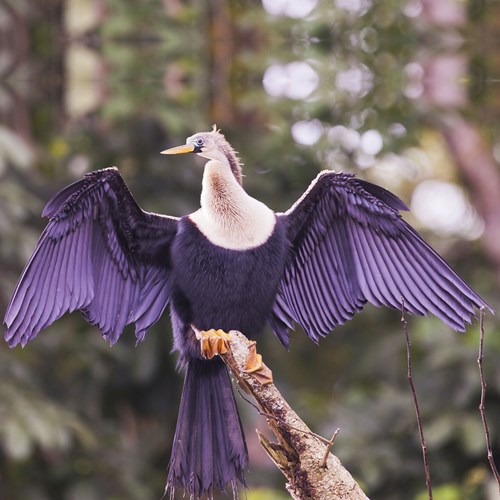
213,342
256,367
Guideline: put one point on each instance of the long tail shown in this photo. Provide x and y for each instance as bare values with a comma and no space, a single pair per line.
209,450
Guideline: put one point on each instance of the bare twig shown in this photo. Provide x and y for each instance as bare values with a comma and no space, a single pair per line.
321,439
329,447
482,405
415,402
298,452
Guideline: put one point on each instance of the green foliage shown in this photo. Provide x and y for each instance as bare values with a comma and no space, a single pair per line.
266,494
81,421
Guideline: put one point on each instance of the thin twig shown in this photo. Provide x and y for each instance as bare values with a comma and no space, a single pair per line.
281,421
482,405
328,448
321,439
415,402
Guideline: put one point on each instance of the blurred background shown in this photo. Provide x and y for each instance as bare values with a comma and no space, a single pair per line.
403,93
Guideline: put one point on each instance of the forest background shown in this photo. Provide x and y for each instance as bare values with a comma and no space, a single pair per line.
403,93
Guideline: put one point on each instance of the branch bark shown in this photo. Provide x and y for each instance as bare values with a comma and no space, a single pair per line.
298,453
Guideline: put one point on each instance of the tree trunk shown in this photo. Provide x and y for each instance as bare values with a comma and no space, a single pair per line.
477,166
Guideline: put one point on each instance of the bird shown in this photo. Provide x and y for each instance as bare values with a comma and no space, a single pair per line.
233,264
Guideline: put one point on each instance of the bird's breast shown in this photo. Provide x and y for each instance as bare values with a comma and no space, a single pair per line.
217,287
242,226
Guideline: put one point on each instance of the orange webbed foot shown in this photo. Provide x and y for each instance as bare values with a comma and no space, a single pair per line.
256,366
213,342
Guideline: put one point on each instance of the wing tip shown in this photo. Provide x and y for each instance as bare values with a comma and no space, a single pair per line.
462,323
486,307
10,342
13,339
140,335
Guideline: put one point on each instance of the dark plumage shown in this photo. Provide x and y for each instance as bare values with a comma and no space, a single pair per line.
233,264
231,289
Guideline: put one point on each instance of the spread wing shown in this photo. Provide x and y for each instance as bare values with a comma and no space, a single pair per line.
349,246
100,253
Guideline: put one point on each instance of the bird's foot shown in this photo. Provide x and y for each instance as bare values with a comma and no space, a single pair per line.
213,342
256,367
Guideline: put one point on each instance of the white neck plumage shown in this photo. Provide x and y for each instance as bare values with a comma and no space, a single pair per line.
228,216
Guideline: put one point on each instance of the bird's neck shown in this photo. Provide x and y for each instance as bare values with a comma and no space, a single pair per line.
222,197
228,216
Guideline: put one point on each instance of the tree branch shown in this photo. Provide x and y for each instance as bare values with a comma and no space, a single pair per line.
299,453
482,404
415,402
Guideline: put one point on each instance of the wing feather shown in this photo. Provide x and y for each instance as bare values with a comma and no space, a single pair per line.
101,254
333,310
349,246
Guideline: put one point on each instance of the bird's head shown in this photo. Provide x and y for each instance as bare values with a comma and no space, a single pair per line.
213,146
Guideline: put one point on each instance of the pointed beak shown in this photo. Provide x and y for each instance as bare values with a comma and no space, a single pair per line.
185,148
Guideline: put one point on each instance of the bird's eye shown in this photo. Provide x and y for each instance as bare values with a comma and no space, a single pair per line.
199,142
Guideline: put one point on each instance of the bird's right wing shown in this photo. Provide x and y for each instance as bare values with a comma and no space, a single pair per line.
100,253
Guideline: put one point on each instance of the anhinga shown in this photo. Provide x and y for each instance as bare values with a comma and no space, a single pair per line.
232,264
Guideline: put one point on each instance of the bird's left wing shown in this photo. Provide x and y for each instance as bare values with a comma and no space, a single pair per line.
99,253
349,246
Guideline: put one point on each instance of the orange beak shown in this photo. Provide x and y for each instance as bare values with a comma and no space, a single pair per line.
186,148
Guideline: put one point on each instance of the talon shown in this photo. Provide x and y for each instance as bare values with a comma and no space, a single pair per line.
213,342
256,367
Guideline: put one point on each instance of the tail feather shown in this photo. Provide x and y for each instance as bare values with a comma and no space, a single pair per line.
209,450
